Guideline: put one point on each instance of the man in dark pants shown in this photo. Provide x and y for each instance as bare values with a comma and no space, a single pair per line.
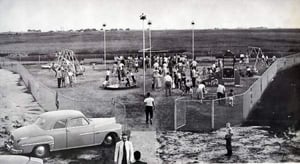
137,157
58,76
149,106
221,93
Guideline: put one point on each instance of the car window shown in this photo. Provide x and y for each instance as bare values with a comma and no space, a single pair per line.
77,122
60,124
41,122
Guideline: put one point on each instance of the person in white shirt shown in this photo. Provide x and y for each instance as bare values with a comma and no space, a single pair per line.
194,64
155,65
221,92
201,91
168,84
194,76
58,76
149,107
124,151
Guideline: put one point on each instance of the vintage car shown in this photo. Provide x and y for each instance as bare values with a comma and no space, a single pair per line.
63,129
18,159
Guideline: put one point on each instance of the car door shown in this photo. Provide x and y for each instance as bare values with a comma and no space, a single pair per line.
79,132
59,133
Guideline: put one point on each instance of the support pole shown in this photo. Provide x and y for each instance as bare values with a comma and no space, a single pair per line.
212,114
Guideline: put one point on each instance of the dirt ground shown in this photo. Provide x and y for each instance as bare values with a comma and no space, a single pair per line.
249,144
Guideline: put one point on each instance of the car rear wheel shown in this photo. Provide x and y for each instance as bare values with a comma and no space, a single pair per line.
41,151
109,140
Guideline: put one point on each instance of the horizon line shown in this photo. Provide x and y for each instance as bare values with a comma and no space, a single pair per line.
129,29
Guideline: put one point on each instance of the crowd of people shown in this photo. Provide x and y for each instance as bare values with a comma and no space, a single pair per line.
65,77
123,70
168,73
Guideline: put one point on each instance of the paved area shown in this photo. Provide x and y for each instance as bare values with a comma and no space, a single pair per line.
146,143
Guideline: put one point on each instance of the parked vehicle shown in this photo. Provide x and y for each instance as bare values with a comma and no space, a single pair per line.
63,129
19,159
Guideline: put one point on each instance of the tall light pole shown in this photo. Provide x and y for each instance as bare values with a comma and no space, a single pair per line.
193,44
143,17
150,61
104,45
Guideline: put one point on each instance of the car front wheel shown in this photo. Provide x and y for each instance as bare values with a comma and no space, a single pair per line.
41,151
109,140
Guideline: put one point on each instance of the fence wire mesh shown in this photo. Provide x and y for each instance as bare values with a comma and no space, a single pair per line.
50,99
192,115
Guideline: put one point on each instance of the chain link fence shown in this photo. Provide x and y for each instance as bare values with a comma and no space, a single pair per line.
192,115
50,100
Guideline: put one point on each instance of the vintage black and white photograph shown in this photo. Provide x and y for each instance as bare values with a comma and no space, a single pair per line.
149,81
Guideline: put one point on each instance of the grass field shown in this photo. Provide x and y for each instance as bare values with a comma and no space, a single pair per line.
207,42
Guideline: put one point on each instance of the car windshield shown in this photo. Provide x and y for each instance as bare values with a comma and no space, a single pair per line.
41,122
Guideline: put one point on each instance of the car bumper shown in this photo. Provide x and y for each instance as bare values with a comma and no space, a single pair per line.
11,149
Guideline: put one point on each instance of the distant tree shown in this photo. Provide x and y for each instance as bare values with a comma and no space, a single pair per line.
127,29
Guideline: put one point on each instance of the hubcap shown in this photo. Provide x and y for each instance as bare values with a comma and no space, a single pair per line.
40,151
108,140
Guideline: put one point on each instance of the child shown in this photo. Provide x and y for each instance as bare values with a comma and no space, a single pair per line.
127,80
188,87
230,97
228,137
132,77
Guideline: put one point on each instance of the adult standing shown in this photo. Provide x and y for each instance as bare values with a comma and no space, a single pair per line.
221,92
58,76
200,91
194,76
149,107
124,151
194,64
168,84
70,75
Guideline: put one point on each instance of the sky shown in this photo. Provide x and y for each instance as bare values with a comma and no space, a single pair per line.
20,15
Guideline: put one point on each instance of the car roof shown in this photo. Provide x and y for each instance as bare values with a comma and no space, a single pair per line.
61,114
19,159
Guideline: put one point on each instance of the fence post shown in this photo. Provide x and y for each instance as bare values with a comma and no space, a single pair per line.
212,114
175,116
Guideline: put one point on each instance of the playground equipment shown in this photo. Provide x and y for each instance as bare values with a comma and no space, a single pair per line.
67,60
119,79
256,51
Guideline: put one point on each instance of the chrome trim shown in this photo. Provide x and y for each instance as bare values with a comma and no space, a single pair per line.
11,149
39,143
96,132
83,134
67,148
108,130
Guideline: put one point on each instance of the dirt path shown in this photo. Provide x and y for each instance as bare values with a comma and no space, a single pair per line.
146,143
17,108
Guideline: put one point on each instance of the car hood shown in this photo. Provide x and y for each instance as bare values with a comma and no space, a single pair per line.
26,131
103,121
18,159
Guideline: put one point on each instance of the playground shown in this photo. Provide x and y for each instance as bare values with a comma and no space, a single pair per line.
88,88
88,95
